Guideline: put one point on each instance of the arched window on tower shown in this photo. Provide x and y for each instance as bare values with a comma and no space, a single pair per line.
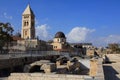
27,23
26,16
58,40
25,33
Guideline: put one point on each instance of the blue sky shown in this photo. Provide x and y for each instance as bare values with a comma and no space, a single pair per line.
96,21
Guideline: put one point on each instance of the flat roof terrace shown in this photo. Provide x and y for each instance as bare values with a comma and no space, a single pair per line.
112,67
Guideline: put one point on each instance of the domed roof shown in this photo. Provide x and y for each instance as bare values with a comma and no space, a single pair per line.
60,35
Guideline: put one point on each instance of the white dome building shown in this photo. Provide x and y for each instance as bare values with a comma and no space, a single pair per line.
59,41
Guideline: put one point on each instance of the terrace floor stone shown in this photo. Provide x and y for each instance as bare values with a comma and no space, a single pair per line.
112,70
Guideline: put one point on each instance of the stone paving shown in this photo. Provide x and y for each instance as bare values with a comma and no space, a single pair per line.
112,70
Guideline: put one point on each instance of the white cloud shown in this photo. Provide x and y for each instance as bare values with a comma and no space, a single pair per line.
79,34
83,34
5,15
104,41
42,32
112,39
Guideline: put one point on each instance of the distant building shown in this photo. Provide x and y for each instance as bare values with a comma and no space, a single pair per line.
59,42
87,45
28,41
83,45
84,48
28,24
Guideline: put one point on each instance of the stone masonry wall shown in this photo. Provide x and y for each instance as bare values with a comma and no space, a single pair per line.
96,69
100,72
99,75
41,76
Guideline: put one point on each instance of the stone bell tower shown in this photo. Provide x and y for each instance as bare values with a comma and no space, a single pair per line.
28,24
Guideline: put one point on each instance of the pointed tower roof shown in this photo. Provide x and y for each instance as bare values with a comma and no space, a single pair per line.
28,10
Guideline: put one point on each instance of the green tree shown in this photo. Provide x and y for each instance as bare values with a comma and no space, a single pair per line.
18,34
114,47
5,34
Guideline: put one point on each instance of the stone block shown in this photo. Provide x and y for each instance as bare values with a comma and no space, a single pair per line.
36,74
100,74
87,77
47,70
99,71
36,78
74,76
48,67
57,63
19,74
68,63
25,78
62,75
50,75
11,78
99,78
62,78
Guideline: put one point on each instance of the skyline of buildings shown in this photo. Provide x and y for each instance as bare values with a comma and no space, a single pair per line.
88,22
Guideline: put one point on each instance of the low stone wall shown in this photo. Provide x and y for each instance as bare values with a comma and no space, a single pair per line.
118,76
19,61
8,63
99,75
41,76
84,64
96,69
100,72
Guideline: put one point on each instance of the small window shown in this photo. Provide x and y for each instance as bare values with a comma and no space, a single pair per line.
25,32
55,46
26,16
27,23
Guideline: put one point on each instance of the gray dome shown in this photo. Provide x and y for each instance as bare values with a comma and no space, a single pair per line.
60,35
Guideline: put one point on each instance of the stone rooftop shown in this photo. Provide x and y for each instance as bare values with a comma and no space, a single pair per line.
112,67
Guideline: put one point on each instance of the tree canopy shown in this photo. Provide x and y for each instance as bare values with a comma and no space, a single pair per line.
6,31
115,47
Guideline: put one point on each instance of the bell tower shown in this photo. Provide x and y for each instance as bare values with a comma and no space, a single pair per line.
28,24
